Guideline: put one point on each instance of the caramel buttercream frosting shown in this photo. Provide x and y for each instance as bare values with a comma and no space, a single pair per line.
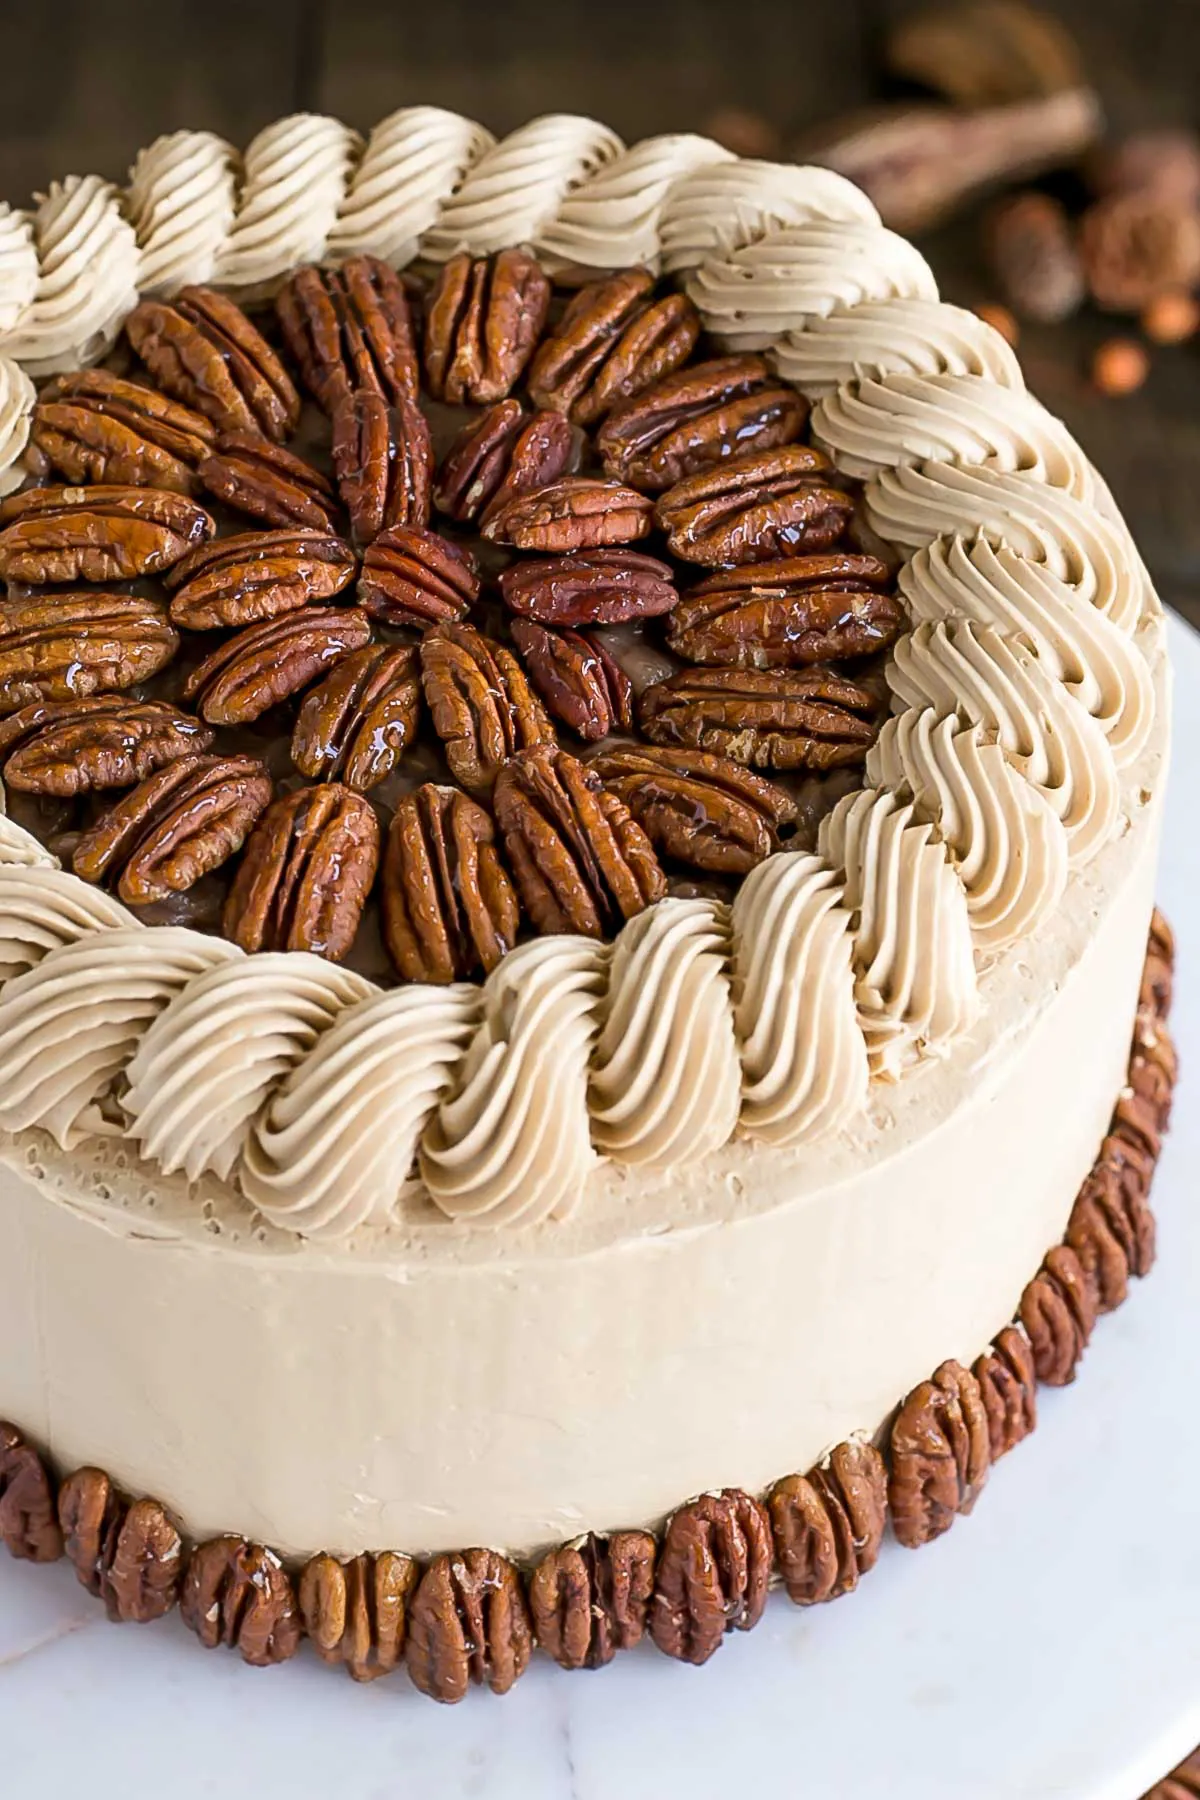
893,336
613,220
727,204
18,265
17,397
42,907
182,200
296,173
413,165
87,277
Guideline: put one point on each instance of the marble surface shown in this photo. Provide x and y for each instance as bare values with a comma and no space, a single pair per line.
1047,1648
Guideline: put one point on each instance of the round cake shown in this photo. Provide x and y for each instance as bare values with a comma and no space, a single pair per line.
584,767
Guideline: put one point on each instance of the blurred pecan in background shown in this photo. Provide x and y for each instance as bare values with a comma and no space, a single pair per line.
697,808
449,908
770,503
713,1570
1137,245
697,417
592,1598
355,725
483,320
613,340
67,646
415,577
596,587
1033,250
576,513
265,664
257,575
94,426
764,719
801,609
56,534
581,683
269,483
186,820
383,462
307,870
202,349
71,747
348,328
481,705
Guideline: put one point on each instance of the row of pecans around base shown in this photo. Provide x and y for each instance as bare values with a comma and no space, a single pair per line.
470,1617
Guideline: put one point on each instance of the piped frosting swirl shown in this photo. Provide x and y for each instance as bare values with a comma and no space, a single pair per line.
18,265
296,175
182,201
896,336
17,397
613,219
43,907
724,205
87,277
414,163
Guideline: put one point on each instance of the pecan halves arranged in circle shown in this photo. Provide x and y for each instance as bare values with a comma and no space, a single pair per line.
764,719
71,747
95,426
449,909
801,609
308,867
468,1623
356,1612
1112,1229
265,481
828,1524
202,349
505,451
1008,1387
613,340
59,534
697,808
577,512
268,663
483,320
125,1552
581,683
257,575
240,1595
696,418
415,577
595,587
29,1526
713,1570
592,1598
355,725
383,462
68,646
581,861
1058,1311
940,1455
350,328
771,503
480,703
185,821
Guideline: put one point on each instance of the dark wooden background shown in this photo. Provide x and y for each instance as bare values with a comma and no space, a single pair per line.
86,84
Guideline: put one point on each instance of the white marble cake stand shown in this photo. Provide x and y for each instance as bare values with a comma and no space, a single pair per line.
1048,1647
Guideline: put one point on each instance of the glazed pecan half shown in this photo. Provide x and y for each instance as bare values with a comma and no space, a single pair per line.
415,577
595,587
576,513
449,908
483,320
828,1524
1111,1229
58,534
127,1553
696,418
940,1455
239,1594
257,575
1008,1387
1058,1311
771,503
268,663
383,461
71,747
613,340
95,426
697,808
68,646
480,703
592,1598
581,861
267,482
350,328
356,1612
468,1622
764,719
306,873
202,349
186,820
776,615
580,681
29,1526
505,451
354,726
713,1570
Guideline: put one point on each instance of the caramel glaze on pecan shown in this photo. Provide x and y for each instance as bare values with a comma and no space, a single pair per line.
582,862
356,1612
71,747
544,453
483,320
697,808
265,664
354,726
940,1455
774,615
468,1623
480,703
696,418
1008,1388
184,821
257,575
29,1528
265,481
770,503
58,534
614,340
308,867
764,719
576,513
449,909
502,452
416,577
713,1570
68,646
592,1598
202,350
582,684
240,1595
593,587
383,461
828,1524
94,426
350,328
125,1552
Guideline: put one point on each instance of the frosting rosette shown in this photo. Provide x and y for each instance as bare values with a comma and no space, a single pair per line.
18,265
414,163
723,205
896,336
182,198
43,907
87,281
17,397
296,175
612,220
19,847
